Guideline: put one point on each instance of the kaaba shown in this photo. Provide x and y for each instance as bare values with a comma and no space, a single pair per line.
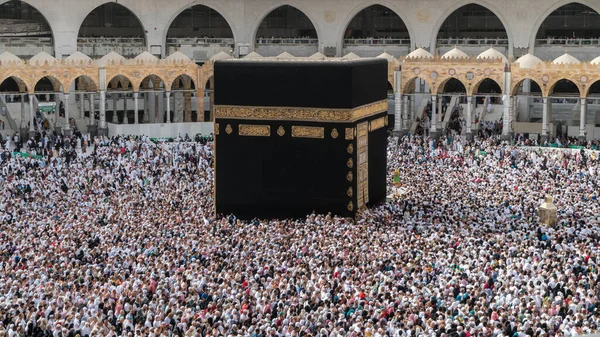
294,137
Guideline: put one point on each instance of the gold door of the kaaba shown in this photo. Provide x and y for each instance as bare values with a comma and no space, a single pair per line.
363,164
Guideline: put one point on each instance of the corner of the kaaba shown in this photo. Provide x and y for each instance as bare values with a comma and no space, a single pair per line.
297,137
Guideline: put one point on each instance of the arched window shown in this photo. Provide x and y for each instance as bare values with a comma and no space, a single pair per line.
573,24
111,27
286,29
203,30
379,23
472,24
286,22
19,22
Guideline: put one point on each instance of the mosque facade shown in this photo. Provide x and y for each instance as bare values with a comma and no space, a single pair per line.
531,54
330,27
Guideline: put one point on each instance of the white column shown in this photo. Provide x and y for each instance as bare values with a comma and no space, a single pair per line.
512,112
545,116
469,113
406,112
135,108
146,107
67,126
168,98
82,104
399,122
506,103
582,117
433,113
57,112
157,115
549,120
31,113
115,118
102,109
125,118
514,107
528,101
23,115
92,111
440,112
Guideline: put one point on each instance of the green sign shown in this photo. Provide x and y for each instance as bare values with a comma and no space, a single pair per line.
47,107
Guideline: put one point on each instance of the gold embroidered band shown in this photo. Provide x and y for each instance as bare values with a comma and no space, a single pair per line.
299,114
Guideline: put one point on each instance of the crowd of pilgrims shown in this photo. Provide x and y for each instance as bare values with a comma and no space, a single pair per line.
121,241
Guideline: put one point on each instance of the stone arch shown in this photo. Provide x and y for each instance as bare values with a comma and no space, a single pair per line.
104,3
272,8
364,5
206,81
484,3
439,89
88,82
550,9
475,87
185,78
552,85
21,85
56,84
595,84
116,88
514,90
118,80
209,83
208,93
44,16
183,88
408,86
214,6
145,82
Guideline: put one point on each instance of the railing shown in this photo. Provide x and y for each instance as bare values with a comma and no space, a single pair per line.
124,49
564,100
471,41
376,41
200,41
290,41
137,41
25,40
571,42
11,122
14,27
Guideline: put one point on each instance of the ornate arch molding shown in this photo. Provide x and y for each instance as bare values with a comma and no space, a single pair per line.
166,70
547,74
436,72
